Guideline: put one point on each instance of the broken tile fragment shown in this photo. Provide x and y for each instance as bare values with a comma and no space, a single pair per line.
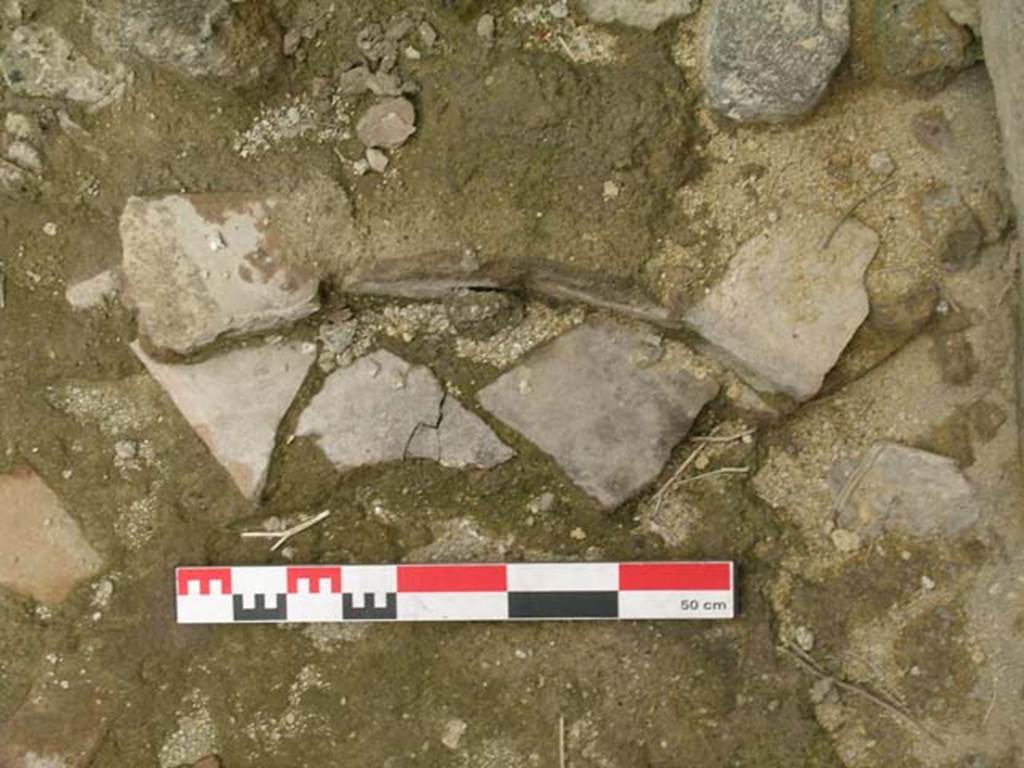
787,306
43,553
382,408
604,403
235,403
893,487
200,267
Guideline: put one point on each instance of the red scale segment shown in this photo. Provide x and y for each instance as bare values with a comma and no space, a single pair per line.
691,577
314,574
452,578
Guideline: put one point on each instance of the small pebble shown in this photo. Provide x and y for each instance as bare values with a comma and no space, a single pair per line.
881,164
50,229
845,541
453,731
804,638
485,27
428,34
377,160
927,584
579,534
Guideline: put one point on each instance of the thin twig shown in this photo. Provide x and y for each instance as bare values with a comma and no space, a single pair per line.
561,741
659,497
283,536
724,438
856,204
714,472
805,661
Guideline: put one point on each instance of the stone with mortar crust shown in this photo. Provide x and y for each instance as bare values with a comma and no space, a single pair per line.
893,487
43,553
604,403
200,267
235,402
643,14
387,124
37,62
787,307
770,61
381,409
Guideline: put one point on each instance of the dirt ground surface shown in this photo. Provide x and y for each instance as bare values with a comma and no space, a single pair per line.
577,168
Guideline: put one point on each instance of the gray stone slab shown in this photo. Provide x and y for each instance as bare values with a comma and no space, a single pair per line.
43,553
235,403
906,490
200,267
644,14
604,404
787,307
382,409
766,60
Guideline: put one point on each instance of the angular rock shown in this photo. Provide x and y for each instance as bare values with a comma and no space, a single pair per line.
598,402
387,124
235,403
235,43
644,14
197,268
382,409
918,43
43,553
770,61
38,62
905,490
55,728
94,292
461,439
951,227
787,307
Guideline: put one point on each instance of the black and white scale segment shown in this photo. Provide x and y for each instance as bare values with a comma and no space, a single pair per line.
455,592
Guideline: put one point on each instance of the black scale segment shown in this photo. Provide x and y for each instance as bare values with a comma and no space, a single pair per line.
259,611
563,605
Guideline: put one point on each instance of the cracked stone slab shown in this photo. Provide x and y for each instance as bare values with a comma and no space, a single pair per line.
462,439
766,60
235,403
204,266
893,487
382,409
605,403
43,553
787,307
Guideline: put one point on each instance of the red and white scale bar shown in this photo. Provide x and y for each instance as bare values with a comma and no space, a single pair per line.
455,592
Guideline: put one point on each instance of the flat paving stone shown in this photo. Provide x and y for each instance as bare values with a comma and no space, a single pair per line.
897,488
381,409
604,404
235,403
787,307
204,266
43,553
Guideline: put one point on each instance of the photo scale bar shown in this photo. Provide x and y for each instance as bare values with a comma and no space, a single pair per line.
455,592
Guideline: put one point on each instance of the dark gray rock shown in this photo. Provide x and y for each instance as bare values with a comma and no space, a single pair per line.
905,490
603,403
918,43
770,61
951,228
